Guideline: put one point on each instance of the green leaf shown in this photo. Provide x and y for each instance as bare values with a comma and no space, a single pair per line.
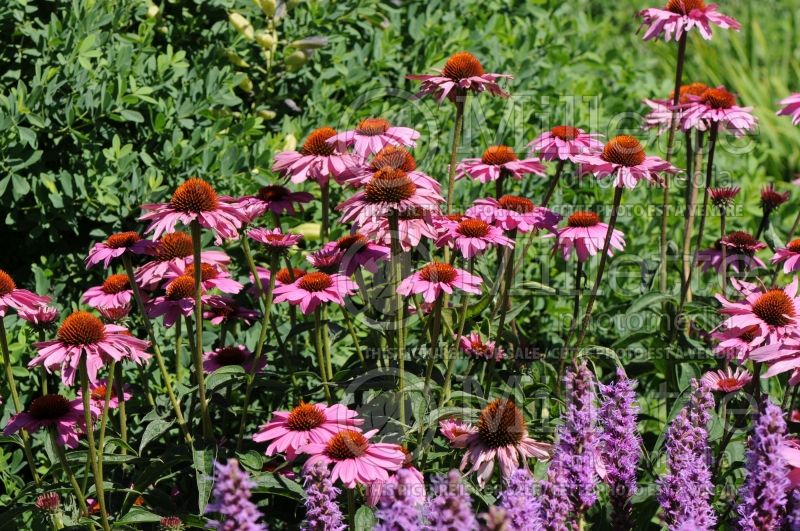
153,431
365,518
222,376
203,461
138,515
649,301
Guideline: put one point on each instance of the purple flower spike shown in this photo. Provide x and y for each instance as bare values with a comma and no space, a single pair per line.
400,509
232,500
322,512
451,509
520,504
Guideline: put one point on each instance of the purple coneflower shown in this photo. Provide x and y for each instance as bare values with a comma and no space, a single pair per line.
461,73
115,292
586,234
791,107
680,16
499,162
624,160
471,236
717,105
512,212
231,355
372,135
438,277
565,142
317,160
19,299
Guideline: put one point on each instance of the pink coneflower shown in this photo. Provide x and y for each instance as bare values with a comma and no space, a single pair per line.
374,134
178,301
661,111
288,431
499,162
772,199
389,190
275,241
212,276
462,72
52,411
791,107
313,289
231,355
624,159
19,299
452,429
727,380
794,416
218,309
196,200
737,256
742,243
273,198
437,277
83,334
42,317
413,225
357,251
501,435
719,106
392,157
565,142
680,16
789,255
781,356
114,314
774,311
327,260
355,460
317,160
173,250
586,234
115,246
115,292
736,343
723,197
472,236
512,212
97,394
473,345
284,276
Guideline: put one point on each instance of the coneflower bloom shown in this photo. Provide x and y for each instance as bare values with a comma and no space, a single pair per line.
212,276
518,500
218,309
727,380
275,241
661,111
740,248
473,345
400,500
97,394
392,157
49,502
313,289
283,277
722,198
354,459
326,260
231,355
273,198
719,106
288,431
18,299
173,250
742,244
114,314
115,292
501,436
680,16
564,142
499,162
772,199
789,255
388,191
55,411
791,107
736,343
450,508
42,317
83,334
586,234
413,226
177,301
358,251
471,237
115,246
461,73
372,135
322,511
766,482
231,500
512,212
436,278
624,160
195,200
317,160
453,429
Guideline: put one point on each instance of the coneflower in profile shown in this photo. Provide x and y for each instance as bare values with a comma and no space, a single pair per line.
764,490
400,508
231,501
451,508
322,512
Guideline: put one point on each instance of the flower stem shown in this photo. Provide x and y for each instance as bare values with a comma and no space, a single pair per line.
458,127
436,316
323,373
724,250
101,440
553,183
508,279
123,417
691,206
178,350
62,458
198,325
137,295
576,309
326,206
93,460
451,360
351,329
397,251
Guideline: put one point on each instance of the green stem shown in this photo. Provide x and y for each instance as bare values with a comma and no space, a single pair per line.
458,126
198,325
553,183
724,250
397,251
450,361
62,458
123,417
43,379
351,329
436,316
93,460
326,200
326,343
323,373
691,205
178,350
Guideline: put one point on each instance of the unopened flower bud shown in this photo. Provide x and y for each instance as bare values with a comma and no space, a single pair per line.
267,114
296,60
267,6
49,502
153,11
290,143
242,25
246,84
171,523
265,39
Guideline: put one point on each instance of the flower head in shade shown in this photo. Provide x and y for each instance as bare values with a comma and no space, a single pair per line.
115,292
522,508
115,246
512,212
275,241
499,162
373,134
178,301
49,502
722,198
461,73
764,491
451,506
789,255
741,243
717,105
388,191
501,436
740,250
436,278
288,431
42,317
681,16
326,260
322,511
357,251
173,250
52,411
218,309
394,158
400,502
313,289
624,160
452,429
83,334
772,199
282,278
736,343
212,276
413,225
231,500
472,237
318,159
273,198
195,200
661,111
586,234
231,355
18,299
98,390
565,142
355,460
727,380
474,345
791,107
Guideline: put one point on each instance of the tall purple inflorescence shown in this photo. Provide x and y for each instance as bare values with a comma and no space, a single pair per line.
322,512
764,490
554,498
451,509
686,489
520,503
620,446
232,500
399,509
792,520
